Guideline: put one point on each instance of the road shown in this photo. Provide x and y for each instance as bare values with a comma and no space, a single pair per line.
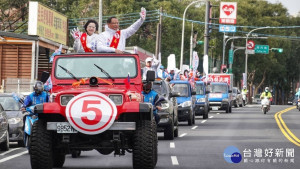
202,145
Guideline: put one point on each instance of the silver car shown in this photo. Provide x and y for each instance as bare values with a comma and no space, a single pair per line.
15,118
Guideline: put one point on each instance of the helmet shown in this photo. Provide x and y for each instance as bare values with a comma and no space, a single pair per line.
148,59
244,87
147,87
38,87
267,89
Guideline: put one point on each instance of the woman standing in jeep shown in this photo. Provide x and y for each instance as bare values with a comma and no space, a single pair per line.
86,42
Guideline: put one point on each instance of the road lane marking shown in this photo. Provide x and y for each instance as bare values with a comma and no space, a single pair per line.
174,160
172,145
203,121
182,134
13,156
284,129
218,113
193,128
6,152
211,117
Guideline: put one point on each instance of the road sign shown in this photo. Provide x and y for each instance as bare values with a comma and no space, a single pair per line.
263,49
250,44
91,112
228,11
251,51
230,58
227,28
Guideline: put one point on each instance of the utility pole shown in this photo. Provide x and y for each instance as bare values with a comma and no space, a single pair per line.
100,17
191,46
158,35
206,31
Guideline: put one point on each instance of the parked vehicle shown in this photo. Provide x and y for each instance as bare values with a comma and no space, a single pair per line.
94,105
186,102
220,97
256,99
168,122
15,118
4,135
237,98
202,104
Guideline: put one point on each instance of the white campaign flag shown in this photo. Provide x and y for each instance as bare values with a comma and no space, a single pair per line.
195,62
205,66
171,62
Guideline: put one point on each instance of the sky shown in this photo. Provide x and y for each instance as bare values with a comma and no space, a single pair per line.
293,6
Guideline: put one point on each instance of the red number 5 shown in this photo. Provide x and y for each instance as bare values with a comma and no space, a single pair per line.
85,109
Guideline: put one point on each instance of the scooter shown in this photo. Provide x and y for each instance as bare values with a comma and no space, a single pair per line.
244,99
28,120
265,105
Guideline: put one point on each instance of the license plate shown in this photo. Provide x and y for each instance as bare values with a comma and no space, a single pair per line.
65,127
215,108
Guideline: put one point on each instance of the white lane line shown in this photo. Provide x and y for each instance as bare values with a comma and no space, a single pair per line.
203,121
172,145
6,152
13,156
211,117
218,113
174,160
193,128
183,134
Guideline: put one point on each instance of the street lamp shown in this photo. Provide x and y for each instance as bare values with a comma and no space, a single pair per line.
246,49
182,34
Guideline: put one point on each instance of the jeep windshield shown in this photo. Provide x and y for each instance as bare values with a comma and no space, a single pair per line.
182,89
84,67
218,88
200,89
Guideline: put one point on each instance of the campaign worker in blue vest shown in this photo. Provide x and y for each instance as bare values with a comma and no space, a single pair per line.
152,97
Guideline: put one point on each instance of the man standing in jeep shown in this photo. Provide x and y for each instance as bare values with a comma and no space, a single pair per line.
113,39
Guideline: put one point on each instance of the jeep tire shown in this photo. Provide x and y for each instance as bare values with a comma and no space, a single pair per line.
41,155
144,147
169,131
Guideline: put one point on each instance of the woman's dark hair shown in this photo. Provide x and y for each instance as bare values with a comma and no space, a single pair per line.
91,21
110,18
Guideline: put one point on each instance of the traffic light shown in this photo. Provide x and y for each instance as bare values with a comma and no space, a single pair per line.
200,42
277,50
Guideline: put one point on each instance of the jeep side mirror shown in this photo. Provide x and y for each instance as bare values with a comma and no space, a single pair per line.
150,76
45,76
174,94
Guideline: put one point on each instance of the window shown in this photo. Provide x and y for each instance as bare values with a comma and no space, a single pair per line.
200,89
182,89
84,67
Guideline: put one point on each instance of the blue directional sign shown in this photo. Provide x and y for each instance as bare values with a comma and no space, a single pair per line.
263,49
227,28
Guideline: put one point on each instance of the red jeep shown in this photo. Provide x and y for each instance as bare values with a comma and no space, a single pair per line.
95,103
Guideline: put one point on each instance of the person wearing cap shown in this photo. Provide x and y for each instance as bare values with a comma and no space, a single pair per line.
161,73
151,64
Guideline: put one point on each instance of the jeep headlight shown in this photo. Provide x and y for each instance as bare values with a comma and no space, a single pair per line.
14,120
117,99
186,104
165,106
201,100
64,99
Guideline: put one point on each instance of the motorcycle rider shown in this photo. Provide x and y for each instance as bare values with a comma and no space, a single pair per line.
267,94
244,94
152,97
37,97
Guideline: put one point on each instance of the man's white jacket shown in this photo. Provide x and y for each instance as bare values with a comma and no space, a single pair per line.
91,42
106,37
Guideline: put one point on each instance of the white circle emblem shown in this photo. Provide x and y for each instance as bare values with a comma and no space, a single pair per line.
91,112
117,36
